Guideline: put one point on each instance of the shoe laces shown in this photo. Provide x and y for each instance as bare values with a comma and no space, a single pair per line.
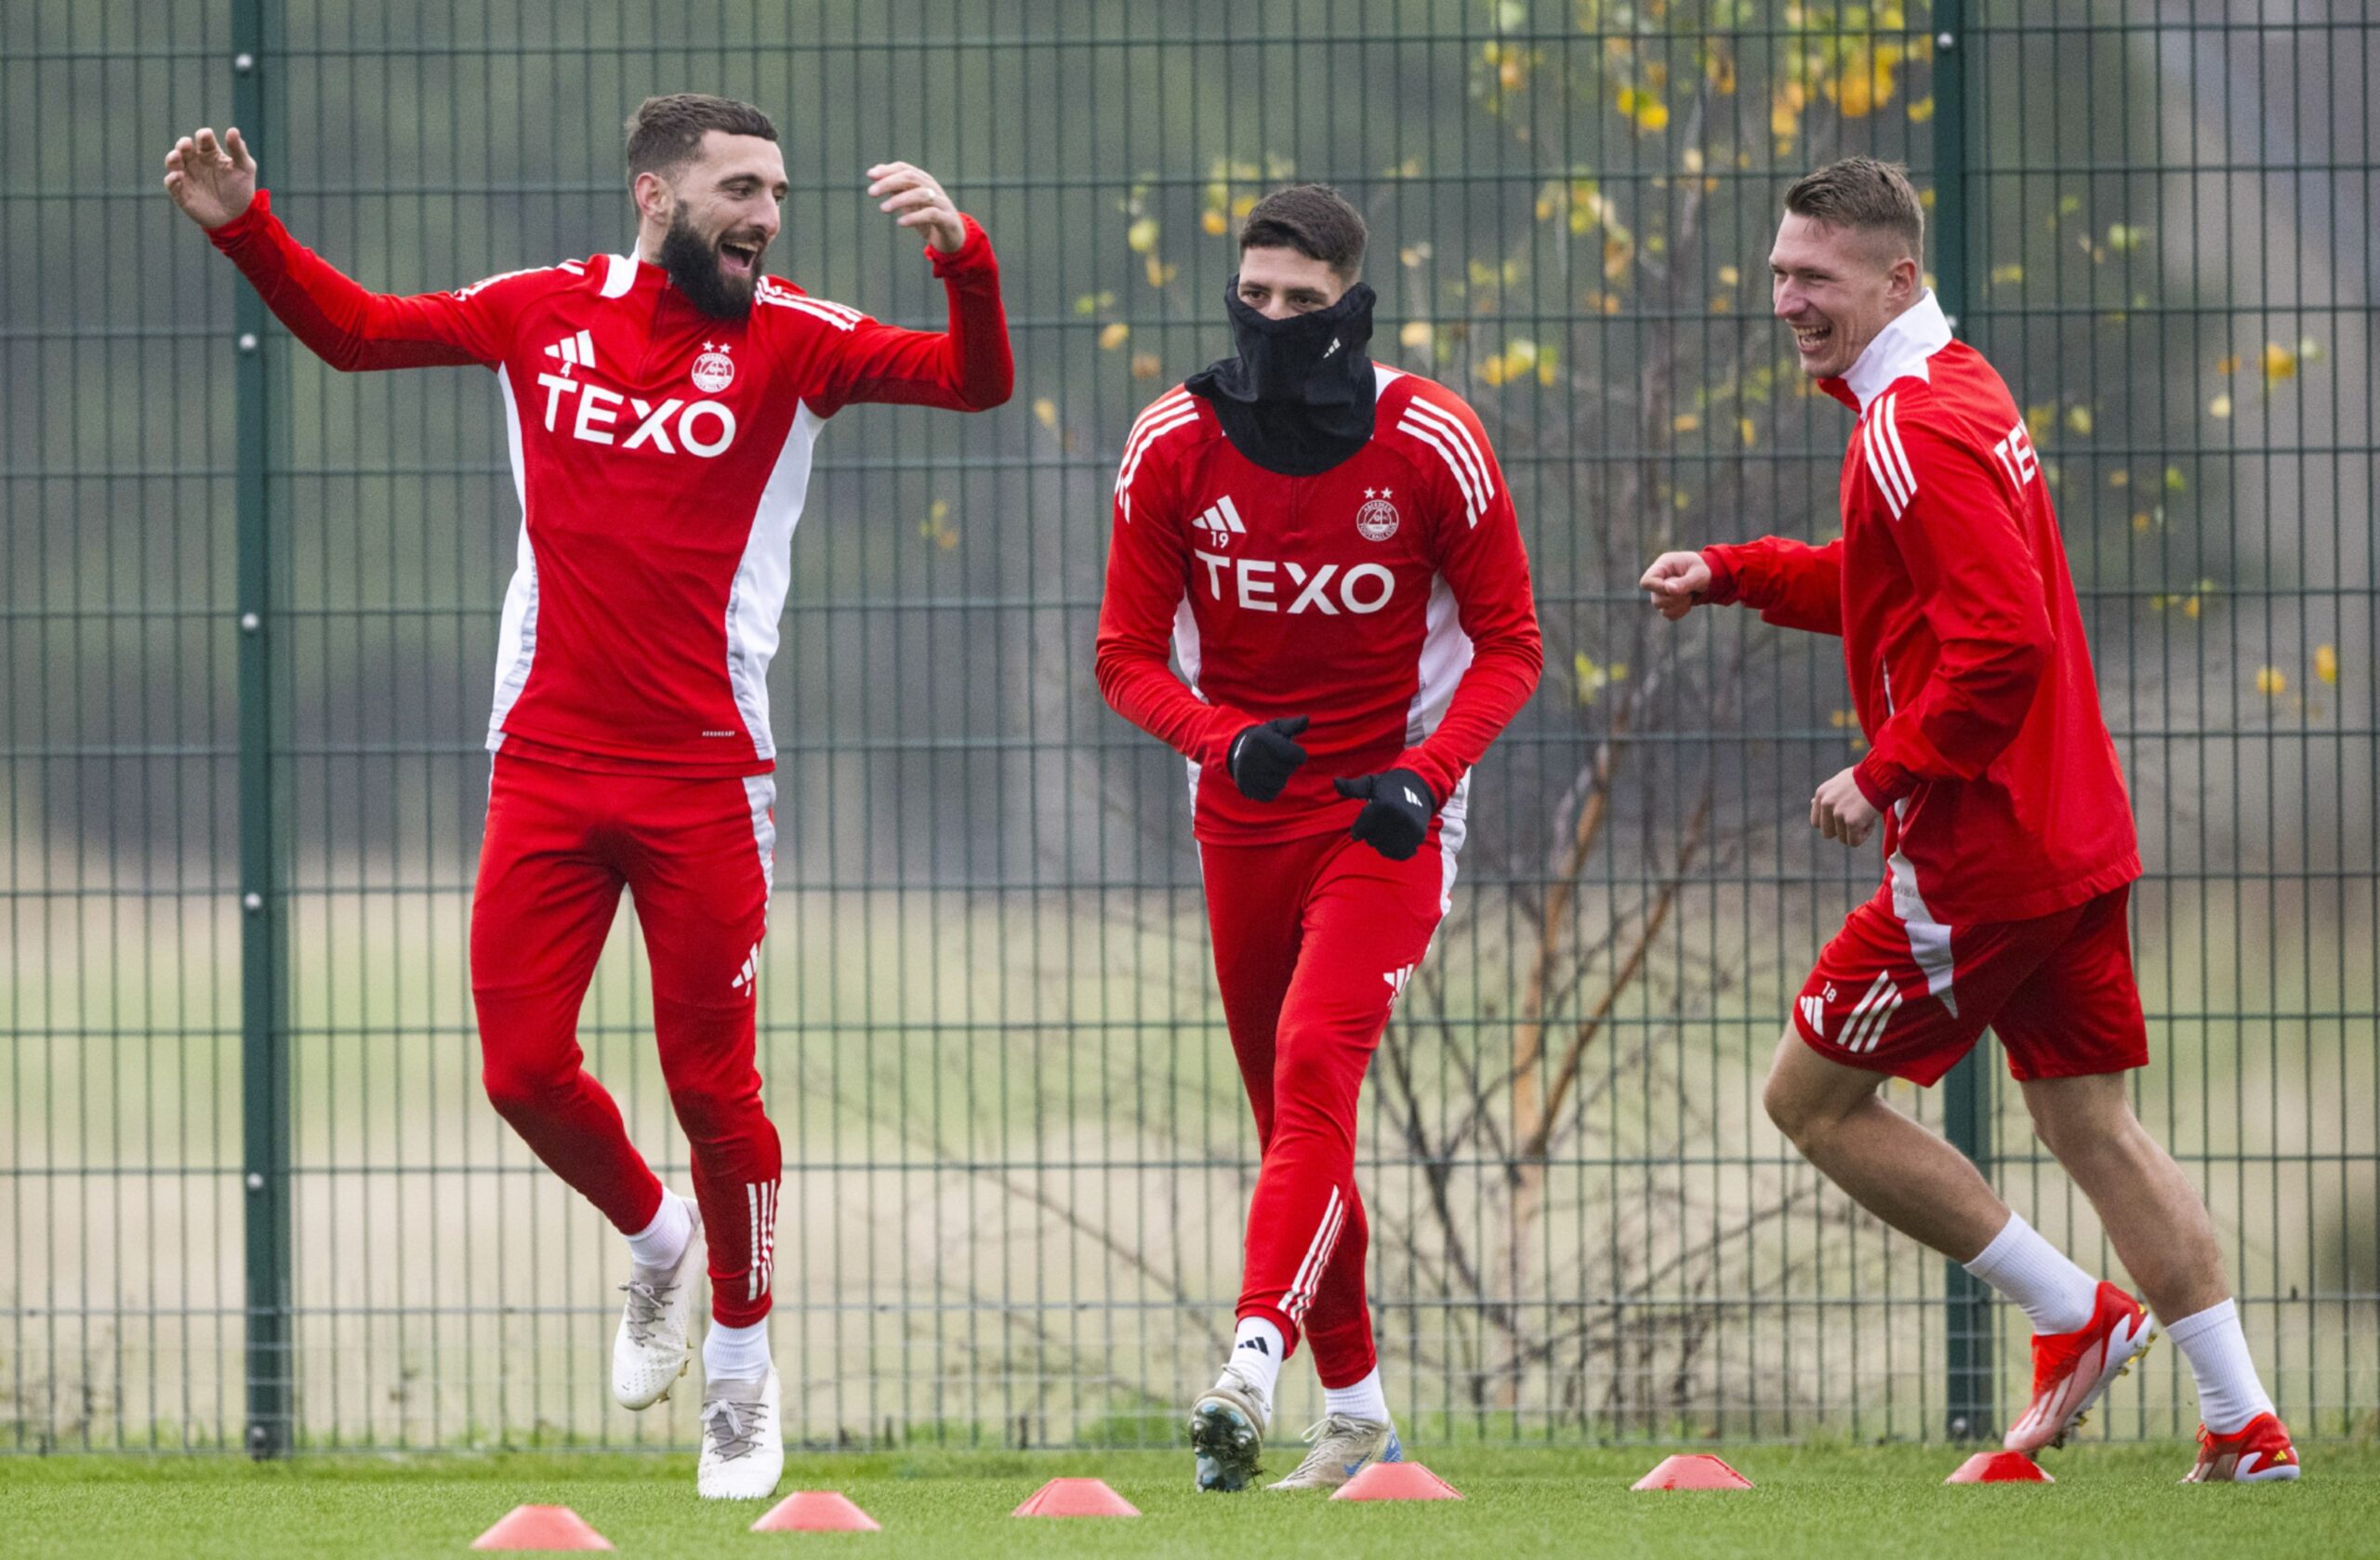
1322,1432
645,1302
733,1427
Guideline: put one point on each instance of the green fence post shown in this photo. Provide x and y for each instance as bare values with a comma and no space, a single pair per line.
1967,1318
264,1056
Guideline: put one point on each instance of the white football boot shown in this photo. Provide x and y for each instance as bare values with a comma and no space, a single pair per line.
743,1442
1342,1447
1227,1426
652,1350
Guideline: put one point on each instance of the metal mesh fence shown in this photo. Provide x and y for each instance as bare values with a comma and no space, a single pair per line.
249,1188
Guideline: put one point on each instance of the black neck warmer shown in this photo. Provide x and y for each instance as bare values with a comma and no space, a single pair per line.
1298,399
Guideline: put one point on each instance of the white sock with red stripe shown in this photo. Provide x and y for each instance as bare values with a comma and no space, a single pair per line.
2229,1393
2040,1280
662,1242
1364,1400
1256,1350
736,1354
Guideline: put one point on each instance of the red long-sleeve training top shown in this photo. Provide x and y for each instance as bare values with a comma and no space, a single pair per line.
661,457
2003,795
1387,599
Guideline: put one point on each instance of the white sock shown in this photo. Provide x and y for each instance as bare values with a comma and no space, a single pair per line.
662,1242
2044,1283
1364,1400
2228,1393
1256,1351
736,1354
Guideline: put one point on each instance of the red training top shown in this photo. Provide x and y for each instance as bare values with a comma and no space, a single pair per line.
660,455
1387,599
2002,797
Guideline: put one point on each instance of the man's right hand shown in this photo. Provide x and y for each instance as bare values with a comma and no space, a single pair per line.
1678,582
212,181
1262,757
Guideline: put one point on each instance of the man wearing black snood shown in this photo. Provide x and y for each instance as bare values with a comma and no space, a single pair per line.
1330,546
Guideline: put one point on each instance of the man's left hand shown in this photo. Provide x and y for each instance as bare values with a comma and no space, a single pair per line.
916,196
1841,811
1395,818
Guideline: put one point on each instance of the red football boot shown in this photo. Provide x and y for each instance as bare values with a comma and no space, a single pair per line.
2072,1370
2258,1451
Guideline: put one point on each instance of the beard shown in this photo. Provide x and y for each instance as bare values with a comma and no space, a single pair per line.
696,267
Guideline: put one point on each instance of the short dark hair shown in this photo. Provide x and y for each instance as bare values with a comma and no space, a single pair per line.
665,131
1314,219
1865,196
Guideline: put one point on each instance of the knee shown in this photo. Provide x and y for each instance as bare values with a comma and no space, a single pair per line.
515,1088
712,1112
1309,1084
1804,1117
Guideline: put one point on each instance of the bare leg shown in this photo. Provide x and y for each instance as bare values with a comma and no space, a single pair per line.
1895,1168
2153,1215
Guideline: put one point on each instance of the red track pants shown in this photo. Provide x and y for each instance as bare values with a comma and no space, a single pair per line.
696,854
1314,940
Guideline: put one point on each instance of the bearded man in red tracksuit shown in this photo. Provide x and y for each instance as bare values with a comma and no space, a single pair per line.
661,409
2008,835
1330,549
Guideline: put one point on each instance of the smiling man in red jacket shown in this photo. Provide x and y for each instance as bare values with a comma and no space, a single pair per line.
1330,551
661,409
2008,835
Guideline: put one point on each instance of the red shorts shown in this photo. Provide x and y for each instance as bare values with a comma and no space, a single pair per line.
1911,998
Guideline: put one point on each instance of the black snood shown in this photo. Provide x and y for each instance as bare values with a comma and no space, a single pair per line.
1298,399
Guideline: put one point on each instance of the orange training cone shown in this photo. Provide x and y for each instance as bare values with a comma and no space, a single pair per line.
816,1511
1396,1481
1076,1498
541,1527
1692,1471
2000,1467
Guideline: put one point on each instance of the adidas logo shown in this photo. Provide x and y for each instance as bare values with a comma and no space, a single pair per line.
573,351
1258,1345
1814,1014
1221,522
1414,799
749,973
1396,979
1872,1016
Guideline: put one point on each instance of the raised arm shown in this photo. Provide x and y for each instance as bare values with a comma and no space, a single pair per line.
348,326
966,368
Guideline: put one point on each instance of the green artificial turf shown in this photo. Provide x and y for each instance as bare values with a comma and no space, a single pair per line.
1834,1503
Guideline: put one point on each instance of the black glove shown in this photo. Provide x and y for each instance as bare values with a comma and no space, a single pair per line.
1395,818
1262,759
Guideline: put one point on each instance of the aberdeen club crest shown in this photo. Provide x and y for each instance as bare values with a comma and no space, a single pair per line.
713,372
1377,518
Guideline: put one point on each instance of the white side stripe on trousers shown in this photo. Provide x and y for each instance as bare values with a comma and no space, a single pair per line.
1318,1257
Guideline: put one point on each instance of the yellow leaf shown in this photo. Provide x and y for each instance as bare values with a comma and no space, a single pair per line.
1750,435
2189,608
2037,421
1784,116
1685,422
1114,336
1545,372
2270,683
1692,160
2326,663
1840,719
1141,235
1493,371
1415,337
2120,478
1617,252
1652,115
1159,273
2229,363
2141,521
1215,222
2174,481
1921,110
1242,206
2079,419
1413,256
1730,277
1146,365
2280,362
2219,407
2008,274
1046,410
